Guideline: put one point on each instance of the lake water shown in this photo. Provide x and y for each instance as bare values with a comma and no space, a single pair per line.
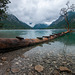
56,51
66,43
27,33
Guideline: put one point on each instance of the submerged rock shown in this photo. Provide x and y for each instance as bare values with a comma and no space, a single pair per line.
56,72
30,73
8,70
15,70
4,58
39,68
64,69
16,63
1,64
47,61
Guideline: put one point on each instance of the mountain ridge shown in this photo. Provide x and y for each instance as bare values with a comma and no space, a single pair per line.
40,26
12,22
60,22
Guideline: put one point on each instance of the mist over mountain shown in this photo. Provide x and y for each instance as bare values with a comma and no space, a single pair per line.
40,26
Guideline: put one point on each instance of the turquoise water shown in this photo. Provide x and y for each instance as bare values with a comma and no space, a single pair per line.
59,50
64,44
27,33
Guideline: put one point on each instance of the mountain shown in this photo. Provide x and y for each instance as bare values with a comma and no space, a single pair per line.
60,22
40,26
12,22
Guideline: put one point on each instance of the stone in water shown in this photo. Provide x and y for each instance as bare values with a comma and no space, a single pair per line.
39,68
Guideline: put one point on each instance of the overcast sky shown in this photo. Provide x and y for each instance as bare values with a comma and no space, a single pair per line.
37,11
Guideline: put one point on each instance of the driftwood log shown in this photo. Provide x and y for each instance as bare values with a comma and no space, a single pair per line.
13,43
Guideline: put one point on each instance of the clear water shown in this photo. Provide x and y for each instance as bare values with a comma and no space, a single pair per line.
61,45
27,33
64,45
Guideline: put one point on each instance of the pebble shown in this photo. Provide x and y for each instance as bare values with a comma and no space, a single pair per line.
28,59
54,62
23,68
4,58
39,65
16,63
39,68
1,64
56,72
30,73
64,62
30,65
8,70
24,74
22,56
47,61
19,61
64,69
15,70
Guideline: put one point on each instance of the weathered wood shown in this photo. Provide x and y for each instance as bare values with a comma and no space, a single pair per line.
46,36
13,43
20,38
41,38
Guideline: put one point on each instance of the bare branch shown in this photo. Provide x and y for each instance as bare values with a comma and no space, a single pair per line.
72,7
67,4
64,12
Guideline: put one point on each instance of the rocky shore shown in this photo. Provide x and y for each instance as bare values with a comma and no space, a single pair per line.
20,63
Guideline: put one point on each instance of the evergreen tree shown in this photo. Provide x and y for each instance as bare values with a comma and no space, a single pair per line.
3,7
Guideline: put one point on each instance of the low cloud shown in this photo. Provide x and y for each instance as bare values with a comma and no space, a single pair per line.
37,11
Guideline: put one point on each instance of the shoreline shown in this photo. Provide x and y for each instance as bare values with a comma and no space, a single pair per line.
24,64
26,61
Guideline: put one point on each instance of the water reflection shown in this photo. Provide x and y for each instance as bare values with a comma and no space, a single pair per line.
54,31
36,33
63,45
66,43
68,39
24,33
11,33
48,52
28,33
54,48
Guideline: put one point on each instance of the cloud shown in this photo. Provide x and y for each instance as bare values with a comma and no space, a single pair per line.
37,11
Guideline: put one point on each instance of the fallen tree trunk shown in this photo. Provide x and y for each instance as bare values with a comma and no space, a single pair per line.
12,43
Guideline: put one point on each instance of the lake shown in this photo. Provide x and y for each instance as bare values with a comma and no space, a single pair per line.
52,54
27,33
66,42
